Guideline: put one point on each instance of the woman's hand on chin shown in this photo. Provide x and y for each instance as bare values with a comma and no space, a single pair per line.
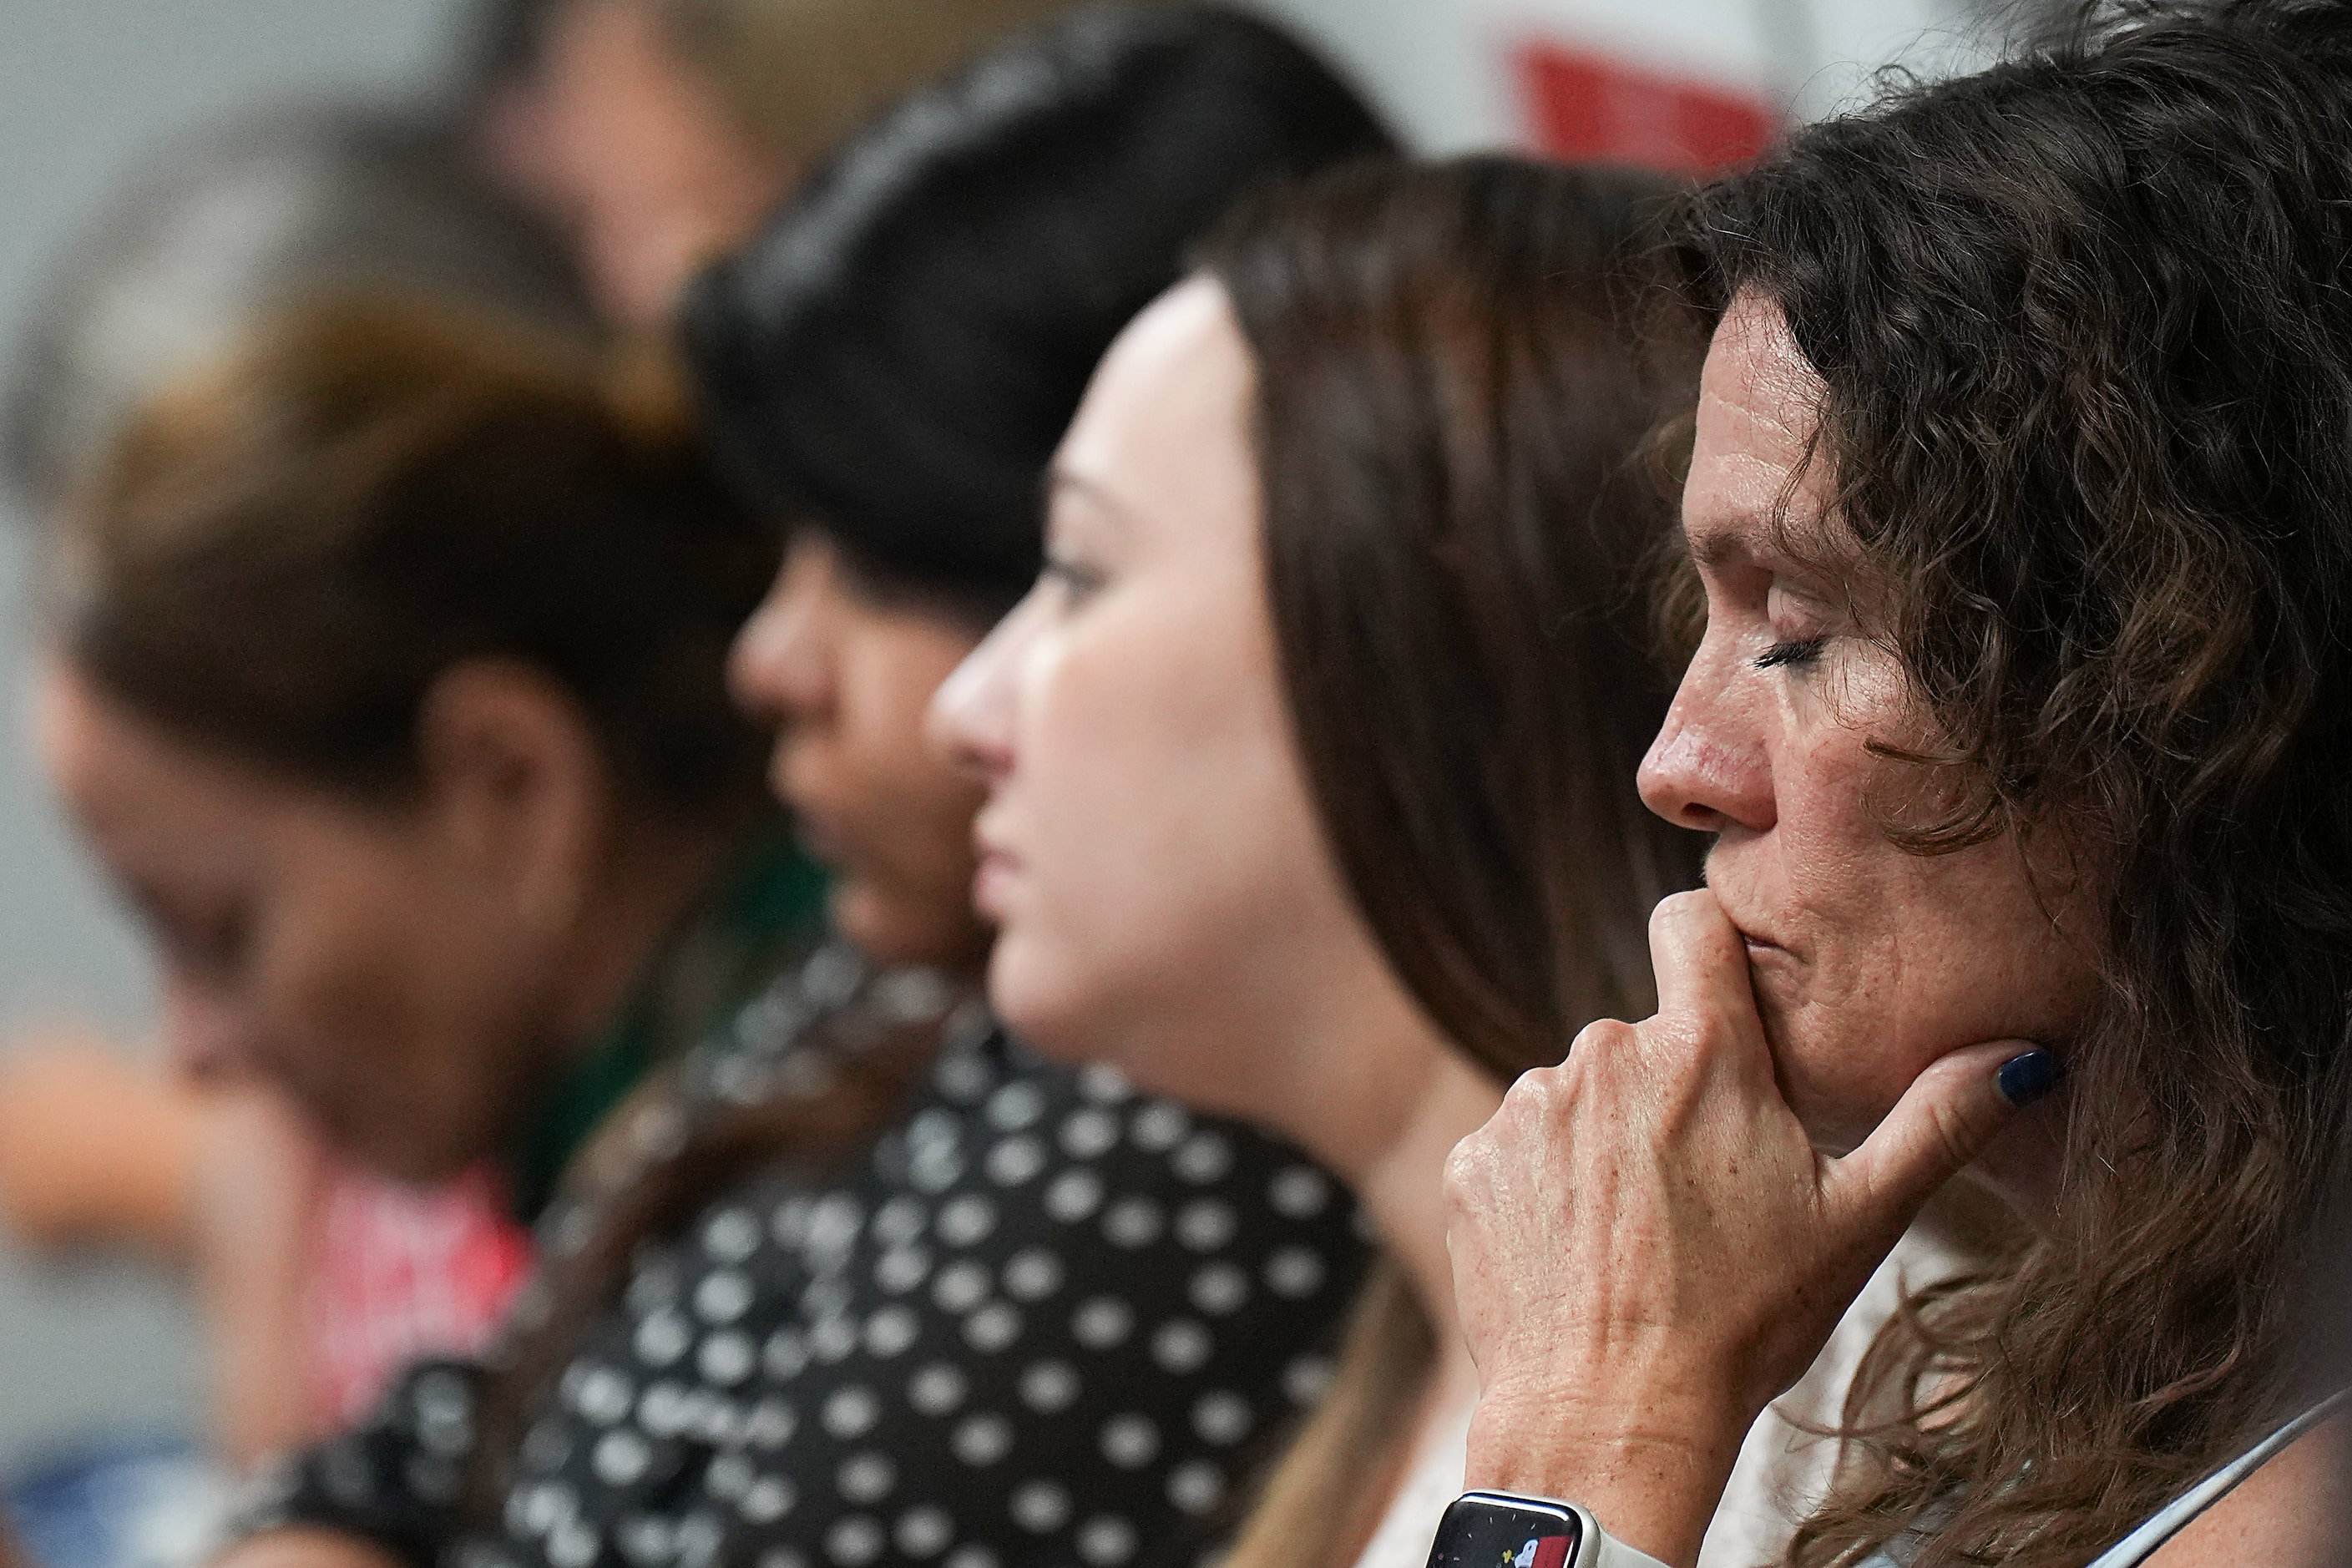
1647,1248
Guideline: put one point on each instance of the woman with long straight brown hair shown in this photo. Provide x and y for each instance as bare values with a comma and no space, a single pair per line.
1311,755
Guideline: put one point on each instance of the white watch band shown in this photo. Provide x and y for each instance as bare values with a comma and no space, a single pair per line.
1598,1548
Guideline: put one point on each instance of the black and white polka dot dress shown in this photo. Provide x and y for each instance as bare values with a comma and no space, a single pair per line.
1045,1320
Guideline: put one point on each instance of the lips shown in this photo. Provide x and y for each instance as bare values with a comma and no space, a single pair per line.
994,872
992,887
1755,941
803,789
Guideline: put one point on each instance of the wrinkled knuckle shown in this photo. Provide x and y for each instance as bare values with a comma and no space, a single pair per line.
1527,1097
1604,1037
1463,1174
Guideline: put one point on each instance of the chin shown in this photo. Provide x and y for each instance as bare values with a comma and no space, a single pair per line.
867,927
899,930
1022,992
1816,1077
411,1165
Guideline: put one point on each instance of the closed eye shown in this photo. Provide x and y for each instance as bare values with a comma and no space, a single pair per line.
1793,654
1079,582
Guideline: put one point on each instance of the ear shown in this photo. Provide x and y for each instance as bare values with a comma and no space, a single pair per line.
517,787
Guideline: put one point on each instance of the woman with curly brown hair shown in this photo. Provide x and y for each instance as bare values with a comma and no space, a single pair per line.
2023,513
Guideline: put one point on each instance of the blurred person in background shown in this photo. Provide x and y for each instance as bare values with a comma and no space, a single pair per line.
659,132
648,99
236,220
875,1283
318,1277
385,678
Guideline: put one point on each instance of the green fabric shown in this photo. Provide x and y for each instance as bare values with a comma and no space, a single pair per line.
771,902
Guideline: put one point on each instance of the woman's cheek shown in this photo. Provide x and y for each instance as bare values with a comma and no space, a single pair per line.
1060,961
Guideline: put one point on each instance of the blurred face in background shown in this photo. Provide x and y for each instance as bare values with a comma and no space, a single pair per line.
387,966
620,139
1148,849
846,669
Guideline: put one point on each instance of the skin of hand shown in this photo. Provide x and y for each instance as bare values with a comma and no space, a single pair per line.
95,1144
99,1146
252,1207
1648,1247
305,1549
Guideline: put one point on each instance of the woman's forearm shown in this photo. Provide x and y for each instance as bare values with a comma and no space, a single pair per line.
306,1549
1655,1485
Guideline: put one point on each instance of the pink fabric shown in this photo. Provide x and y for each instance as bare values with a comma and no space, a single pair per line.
400,1273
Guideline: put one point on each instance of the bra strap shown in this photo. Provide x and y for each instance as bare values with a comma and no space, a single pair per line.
2174,1517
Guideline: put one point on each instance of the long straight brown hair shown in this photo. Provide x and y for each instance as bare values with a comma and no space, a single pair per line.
1459,368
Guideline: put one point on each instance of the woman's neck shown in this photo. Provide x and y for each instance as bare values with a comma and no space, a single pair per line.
1379,1096
656,877
1403,1185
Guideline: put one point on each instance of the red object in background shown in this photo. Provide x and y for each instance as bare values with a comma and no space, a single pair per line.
1587,105
1551,1552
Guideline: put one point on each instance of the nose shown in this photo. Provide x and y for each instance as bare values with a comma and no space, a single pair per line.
971,717
204,1038
1708,769
782,666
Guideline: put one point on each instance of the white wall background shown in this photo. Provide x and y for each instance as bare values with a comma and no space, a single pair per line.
85,85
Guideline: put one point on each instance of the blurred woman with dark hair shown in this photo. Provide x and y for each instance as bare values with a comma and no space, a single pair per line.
861,1278
375,528
890,369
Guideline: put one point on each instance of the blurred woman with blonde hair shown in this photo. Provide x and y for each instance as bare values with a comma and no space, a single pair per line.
660,131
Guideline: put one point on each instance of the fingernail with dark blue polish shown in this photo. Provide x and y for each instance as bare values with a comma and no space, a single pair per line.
2026,1077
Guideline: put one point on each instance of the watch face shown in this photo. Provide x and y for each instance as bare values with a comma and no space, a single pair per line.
1491,1530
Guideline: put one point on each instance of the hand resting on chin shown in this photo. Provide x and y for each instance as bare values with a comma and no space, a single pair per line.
1647,1248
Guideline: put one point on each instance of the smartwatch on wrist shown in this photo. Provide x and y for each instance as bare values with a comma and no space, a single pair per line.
1502,1530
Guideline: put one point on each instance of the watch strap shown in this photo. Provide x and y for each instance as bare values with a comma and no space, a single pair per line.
1596,1548
1466,1532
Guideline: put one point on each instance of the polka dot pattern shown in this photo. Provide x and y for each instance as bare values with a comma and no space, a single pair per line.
1046,1321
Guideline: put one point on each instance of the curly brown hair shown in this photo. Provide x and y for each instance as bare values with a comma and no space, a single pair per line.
2085,322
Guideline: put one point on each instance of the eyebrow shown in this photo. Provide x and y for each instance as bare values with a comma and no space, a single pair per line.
1723,543
1716,546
